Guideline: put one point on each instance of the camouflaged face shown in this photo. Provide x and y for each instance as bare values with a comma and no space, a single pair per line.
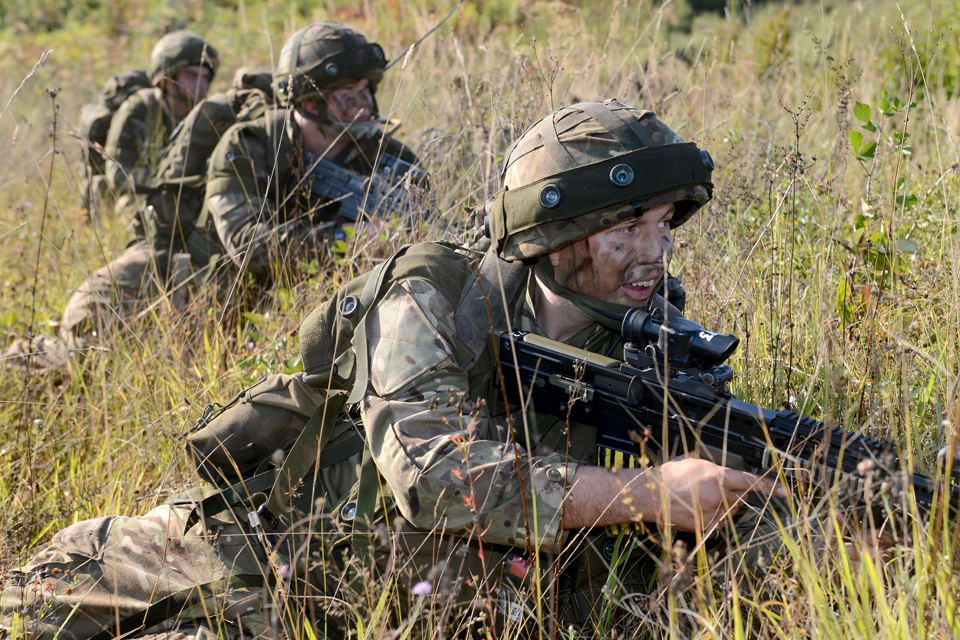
584,142
545,238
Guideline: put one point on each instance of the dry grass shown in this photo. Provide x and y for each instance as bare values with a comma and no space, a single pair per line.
844,289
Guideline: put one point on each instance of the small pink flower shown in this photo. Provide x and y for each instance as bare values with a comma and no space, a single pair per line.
422,589
284,571
26,204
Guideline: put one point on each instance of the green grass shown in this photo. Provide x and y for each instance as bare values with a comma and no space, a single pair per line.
839,275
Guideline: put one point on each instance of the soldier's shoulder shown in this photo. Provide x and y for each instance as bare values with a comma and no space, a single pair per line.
141,102
217,102
438,263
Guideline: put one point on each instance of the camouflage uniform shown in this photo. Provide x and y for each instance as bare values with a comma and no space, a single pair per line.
260,164
479,489
258,192
98,573
169,249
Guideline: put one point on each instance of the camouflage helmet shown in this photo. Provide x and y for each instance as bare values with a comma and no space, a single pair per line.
325,56
180,49
587,167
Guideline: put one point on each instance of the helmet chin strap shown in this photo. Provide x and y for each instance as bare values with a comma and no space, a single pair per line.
609,314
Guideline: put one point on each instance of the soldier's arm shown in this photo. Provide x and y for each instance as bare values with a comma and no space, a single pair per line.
244,214
448,463
126,147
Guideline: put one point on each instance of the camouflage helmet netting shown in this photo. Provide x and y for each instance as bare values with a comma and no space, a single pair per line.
564,144
180,49
325,56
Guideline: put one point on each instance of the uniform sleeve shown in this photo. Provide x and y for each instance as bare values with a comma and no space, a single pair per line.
245,219
127,147
450,466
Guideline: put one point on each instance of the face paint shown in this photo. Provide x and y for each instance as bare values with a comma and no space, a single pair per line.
352,102
622,264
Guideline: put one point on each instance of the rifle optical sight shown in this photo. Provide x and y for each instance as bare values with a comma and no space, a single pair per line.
681,339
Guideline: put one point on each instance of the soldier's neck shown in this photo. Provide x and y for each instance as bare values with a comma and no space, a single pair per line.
559,319
317,141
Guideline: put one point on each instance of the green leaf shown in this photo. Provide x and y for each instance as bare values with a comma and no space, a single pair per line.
870,127
858,235
907,201
862,112
843,306
867,151
906,150
860,221
900,182
856,139
907,246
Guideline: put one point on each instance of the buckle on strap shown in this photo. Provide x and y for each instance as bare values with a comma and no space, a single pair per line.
256,519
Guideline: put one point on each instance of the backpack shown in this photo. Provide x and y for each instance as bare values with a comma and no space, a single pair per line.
95,117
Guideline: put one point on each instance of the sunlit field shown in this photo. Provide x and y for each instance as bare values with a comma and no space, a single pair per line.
830,248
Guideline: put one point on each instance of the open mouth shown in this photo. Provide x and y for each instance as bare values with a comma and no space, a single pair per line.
642,289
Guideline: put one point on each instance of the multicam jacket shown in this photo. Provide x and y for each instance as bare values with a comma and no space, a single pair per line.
139,134
261,202
438,434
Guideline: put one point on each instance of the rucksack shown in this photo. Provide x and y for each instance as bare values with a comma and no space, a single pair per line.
95,117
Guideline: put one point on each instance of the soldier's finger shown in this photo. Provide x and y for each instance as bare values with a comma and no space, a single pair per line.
742,481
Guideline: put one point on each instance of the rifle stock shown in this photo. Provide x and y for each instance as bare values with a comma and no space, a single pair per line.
669,393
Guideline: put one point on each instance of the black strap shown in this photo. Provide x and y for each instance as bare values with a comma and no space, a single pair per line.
629,134
236,494
551,144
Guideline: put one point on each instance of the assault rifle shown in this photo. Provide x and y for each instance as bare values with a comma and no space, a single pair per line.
380,195
670,394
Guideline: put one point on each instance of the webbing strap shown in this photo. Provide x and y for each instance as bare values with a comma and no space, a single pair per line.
367,491
371,292
551,144
626,130
229,496
473,315
174,604
303,455
236,494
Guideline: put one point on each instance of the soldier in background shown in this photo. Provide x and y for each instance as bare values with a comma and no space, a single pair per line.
147,170
260,192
